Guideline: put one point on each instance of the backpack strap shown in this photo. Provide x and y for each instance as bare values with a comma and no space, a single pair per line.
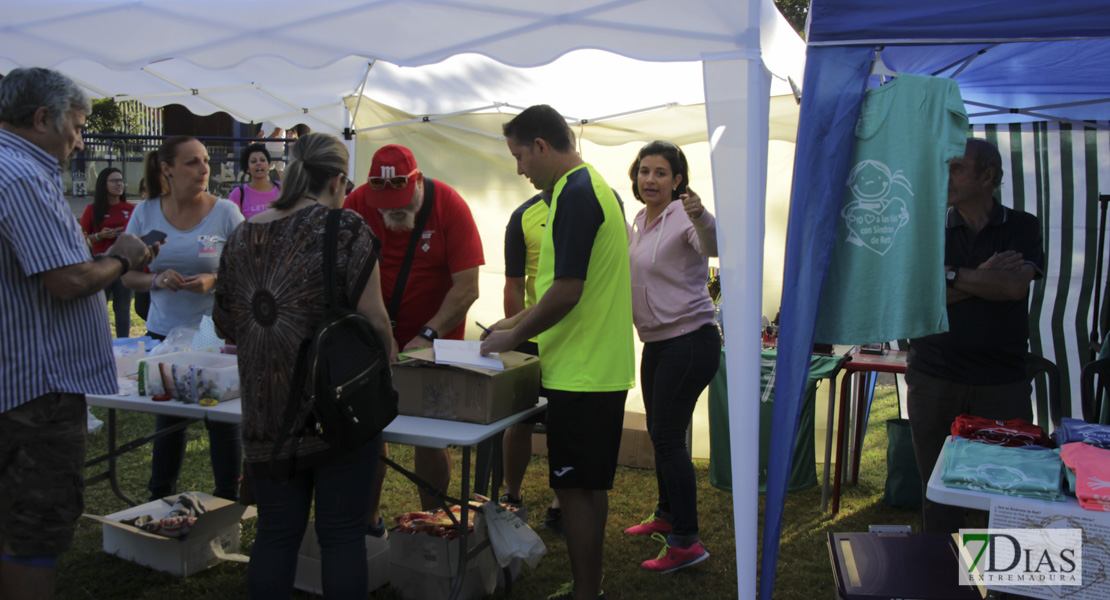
331,252
414,239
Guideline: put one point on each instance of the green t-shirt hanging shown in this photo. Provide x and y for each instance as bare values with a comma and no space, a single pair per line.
886,274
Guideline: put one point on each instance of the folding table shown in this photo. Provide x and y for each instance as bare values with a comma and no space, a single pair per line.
414,431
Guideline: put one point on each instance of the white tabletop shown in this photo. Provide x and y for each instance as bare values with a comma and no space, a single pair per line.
938,492
224,412
413,431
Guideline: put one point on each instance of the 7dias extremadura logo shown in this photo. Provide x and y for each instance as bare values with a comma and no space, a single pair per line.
1021,557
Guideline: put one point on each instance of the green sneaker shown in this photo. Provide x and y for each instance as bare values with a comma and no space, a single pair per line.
566,592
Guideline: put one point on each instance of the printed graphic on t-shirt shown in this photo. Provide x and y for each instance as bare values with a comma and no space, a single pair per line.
878,212
427,236
207,246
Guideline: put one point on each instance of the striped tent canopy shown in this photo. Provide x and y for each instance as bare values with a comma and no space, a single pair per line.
1053,170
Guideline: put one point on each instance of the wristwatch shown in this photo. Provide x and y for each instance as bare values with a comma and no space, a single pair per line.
123,261
429,333
951,275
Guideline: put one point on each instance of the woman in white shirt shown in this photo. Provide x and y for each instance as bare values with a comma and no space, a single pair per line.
196,224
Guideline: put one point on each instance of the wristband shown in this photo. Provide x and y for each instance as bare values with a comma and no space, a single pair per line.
153,279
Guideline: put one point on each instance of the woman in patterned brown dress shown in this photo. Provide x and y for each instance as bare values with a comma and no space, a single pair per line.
269,297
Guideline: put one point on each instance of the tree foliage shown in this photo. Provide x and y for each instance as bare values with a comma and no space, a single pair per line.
795,12
108,117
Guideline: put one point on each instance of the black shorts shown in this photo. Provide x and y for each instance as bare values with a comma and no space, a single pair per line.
42,485
584,438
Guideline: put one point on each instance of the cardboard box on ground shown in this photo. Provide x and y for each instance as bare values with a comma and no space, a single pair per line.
214,537
635,451
309,578
424,566
462,393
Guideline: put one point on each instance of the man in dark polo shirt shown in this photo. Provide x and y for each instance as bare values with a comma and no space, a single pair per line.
991,255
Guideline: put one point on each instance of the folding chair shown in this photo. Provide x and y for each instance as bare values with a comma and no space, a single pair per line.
1094,384
1048,409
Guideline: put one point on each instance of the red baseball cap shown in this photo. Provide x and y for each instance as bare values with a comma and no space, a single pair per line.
391,162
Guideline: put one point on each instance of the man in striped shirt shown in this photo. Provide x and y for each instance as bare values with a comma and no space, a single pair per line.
55,344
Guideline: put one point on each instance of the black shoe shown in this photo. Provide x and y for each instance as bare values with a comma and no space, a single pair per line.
553,520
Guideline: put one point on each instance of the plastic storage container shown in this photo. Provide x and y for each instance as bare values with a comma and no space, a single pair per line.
190,376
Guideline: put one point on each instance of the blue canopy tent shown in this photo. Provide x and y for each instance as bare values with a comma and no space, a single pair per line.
1038,68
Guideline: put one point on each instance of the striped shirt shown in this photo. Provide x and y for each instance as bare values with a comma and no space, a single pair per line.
47,345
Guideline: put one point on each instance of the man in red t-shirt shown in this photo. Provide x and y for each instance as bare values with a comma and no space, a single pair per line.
441,284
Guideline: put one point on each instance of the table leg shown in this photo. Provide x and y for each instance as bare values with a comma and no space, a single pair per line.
828,445
115,450
464,525
863,407
841,438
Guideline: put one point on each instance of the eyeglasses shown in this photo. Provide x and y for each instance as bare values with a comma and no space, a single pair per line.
398,183
348,185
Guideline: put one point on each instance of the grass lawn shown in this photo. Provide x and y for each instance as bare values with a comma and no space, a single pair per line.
804,573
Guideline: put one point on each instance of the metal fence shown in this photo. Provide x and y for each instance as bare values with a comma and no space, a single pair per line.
126,153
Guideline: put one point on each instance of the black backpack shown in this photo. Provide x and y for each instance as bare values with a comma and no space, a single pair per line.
344,368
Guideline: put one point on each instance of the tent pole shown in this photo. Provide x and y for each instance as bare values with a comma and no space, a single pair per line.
361,90
737,111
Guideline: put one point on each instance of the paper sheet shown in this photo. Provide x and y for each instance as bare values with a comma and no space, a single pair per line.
462,352
1013,513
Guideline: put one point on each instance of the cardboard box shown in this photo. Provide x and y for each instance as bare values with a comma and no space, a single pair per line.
216,533
461,393
424,566
308,563
635,451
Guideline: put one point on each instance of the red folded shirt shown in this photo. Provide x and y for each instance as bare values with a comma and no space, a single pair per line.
1013,433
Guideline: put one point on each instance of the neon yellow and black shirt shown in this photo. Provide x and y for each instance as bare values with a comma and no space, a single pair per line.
523,236
590,349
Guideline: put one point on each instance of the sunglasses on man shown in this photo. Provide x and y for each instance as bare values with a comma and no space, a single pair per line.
398,182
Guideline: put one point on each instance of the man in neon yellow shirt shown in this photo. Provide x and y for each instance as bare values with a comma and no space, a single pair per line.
583,318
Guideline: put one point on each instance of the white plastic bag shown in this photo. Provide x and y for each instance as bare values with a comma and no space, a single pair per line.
206,339
510,537
179,339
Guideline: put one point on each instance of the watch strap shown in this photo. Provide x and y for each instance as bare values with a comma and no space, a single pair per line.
122,260
429,333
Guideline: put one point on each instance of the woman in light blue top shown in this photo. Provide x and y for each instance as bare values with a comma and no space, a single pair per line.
196,225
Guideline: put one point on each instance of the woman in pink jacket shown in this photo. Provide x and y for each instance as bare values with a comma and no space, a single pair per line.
672,240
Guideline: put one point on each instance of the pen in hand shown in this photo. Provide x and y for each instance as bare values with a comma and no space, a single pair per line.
484,328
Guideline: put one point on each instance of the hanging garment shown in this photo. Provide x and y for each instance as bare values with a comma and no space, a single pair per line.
886,273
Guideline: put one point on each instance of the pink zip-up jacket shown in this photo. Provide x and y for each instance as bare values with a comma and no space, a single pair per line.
670,265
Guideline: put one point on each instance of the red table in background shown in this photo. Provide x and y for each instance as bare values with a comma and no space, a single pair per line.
894,361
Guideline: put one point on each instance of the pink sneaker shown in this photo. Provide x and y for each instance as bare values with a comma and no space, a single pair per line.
673,558
649,526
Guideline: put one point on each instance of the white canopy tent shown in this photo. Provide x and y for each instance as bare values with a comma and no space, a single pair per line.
291,62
